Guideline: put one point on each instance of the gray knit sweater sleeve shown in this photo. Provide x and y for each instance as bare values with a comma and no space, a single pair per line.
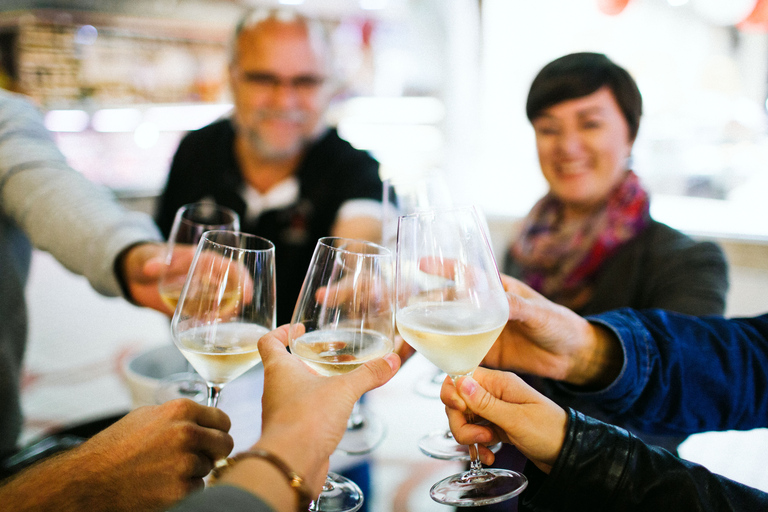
78,222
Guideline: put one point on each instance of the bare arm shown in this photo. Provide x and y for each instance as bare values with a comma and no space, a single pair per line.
148,460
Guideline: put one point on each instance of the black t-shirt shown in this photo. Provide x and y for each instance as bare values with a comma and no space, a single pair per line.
331,173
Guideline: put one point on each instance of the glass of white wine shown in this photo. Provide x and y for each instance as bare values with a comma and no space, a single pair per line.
344,317
227,304
451,307
189,224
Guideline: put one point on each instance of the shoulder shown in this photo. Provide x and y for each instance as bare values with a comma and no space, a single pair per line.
218,130
663,240
331,147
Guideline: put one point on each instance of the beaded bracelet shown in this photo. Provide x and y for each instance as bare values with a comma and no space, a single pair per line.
294,480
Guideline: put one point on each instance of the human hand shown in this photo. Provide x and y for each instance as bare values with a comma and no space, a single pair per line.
147,461
143,266
550,340
304,415
519,415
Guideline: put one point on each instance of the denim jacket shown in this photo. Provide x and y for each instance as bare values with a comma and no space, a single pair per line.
682,375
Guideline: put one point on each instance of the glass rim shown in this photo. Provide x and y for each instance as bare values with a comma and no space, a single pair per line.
199,204
382,251
447,209
270,246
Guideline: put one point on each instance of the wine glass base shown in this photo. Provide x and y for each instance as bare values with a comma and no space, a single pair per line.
182,385
484,488
339,494
441,445
364,436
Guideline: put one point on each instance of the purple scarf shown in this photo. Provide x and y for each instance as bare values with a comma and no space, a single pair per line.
561,259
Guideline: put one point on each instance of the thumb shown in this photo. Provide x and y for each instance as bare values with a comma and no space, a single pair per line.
481,402
272,345
373,374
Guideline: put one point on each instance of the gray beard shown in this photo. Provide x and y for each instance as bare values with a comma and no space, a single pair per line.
268,152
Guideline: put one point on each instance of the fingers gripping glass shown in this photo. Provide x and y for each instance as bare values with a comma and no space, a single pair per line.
226,305
344,317
451,307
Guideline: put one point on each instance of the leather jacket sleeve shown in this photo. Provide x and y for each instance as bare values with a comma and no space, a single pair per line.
602,467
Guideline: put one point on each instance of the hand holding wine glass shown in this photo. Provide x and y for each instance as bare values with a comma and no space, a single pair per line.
226,305
344,317
451,307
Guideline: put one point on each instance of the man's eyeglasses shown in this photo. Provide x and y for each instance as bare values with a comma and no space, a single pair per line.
301,84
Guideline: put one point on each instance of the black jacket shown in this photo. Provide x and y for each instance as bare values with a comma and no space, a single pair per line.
605,468
331,173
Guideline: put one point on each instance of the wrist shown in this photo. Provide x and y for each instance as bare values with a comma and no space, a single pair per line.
599,361
266,475
303,459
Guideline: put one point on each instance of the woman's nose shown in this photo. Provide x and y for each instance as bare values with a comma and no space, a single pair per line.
569,142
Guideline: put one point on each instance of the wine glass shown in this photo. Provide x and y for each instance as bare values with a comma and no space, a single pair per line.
189,224
451,307
227,304
344,317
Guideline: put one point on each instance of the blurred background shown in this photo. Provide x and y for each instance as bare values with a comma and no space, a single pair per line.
429,85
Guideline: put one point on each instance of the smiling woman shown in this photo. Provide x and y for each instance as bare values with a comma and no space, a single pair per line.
590,243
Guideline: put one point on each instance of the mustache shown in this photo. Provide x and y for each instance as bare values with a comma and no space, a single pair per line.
295,116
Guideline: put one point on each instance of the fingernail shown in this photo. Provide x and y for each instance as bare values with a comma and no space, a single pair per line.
468,385
391,360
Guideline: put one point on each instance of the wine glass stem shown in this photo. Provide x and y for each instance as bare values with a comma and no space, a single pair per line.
356,419
475,466
327,486
213,395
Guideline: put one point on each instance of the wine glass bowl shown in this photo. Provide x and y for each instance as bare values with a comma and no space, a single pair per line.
345,312
226,305
451,307
189,224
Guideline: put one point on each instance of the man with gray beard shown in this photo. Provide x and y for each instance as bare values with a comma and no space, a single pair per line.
289,176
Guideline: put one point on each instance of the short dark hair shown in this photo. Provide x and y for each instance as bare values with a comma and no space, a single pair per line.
580,74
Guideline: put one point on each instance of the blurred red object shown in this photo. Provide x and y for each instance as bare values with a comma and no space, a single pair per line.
757,20
612,7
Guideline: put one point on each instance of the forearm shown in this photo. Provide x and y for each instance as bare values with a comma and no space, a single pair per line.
602,467
272,485
79,223
61,483
60,211
683,375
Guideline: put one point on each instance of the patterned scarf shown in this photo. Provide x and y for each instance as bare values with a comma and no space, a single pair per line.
560,259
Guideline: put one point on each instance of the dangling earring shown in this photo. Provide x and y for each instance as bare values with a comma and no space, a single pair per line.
629,162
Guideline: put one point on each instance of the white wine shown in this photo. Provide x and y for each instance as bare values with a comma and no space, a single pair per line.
335,352
195,301
222,352
171,297
452,335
